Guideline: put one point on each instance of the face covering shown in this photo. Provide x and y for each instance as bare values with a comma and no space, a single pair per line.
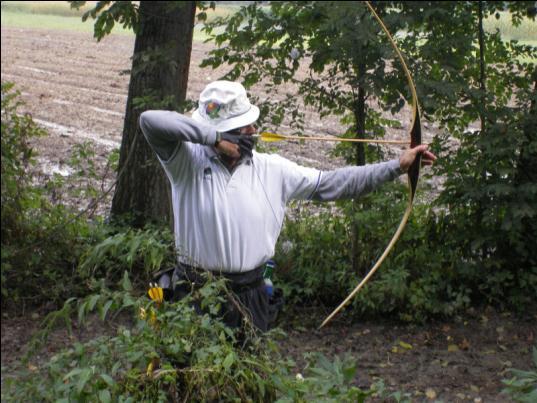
245,142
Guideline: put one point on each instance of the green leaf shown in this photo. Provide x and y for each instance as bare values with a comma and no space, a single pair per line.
82,312
92,301
105,309
84,378
126,283
228,361
105,396
108,379
349,373
72,373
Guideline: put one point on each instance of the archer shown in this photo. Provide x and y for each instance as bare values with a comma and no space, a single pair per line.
229,201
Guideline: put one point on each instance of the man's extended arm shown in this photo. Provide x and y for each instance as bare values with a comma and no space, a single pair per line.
350,182
164,130
345,183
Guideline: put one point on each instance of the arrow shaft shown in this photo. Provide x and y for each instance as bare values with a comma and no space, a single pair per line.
279,137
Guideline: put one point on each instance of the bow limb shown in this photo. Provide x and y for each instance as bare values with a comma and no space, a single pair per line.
375,267
413,172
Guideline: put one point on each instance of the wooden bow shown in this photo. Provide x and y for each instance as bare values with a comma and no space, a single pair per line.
413,172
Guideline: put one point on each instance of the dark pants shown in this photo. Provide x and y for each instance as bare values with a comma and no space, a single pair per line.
248,299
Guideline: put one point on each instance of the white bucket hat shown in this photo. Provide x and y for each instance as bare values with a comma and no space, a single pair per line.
225,105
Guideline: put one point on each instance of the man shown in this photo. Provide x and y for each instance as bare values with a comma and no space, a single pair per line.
229,201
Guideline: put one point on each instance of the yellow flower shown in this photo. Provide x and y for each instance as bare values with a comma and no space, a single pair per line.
153,364
153,319
152,316
156,293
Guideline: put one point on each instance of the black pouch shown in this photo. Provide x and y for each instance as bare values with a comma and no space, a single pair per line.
164,279
176,283
276,303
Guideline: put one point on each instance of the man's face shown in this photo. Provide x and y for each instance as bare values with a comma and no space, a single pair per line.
248,130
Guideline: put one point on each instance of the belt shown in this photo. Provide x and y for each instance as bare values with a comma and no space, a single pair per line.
239,281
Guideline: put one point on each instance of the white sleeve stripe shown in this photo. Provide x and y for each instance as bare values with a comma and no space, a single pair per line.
316,186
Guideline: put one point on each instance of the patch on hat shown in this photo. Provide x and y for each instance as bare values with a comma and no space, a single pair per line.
213,110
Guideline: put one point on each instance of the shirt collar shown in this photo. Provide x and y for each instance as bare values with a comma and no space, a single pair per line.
211,154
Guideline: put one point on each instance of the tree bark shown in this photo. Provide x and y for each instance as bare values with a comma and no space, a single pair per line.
482,77
359,116
159,78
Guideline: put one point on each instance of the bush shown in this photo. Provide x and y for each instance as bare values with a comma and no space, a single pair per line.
141,251
41,242
171,353
50,250
425,276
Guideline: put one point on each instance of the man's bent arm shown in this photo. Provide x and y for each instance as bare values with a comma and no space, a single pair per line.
346,183
165,129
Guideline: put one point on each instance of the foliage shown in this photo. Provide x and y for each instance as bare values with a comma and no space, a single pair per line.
127,13
142,251
402,288
49,251
17,156
522,29
323,380
170,352
522,387
476,239
334,42
425,277
41,240
486,211
107,13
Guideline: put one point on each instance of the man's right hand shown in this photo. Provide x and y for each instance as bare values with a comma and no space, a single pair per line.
228,149
235,144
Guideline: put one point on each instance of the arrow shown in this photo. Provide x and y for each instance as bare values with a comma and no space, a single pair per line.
272,137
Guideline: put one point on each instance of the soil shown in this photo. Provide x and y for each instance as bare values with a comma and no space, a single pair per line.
464,359
76,88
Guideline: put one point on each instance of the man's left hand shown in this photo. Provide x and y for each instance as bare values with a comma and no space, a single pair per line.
408,156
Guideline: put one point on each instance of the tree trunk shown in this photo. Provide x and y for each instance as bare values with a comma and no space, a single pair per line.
525,177
482,77
359,116
481,107
159,78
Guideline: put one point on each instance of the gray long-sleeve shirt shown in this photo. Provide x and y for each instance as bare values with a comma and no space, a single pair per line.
231,221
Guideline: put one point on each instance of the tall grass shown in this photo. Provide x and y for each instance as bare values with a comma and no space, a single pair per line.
63,9
58,15
53,22
57,8
526,31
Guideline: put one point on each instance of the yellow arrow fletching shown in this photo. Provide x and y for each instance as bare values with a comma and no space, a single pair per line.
270,137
